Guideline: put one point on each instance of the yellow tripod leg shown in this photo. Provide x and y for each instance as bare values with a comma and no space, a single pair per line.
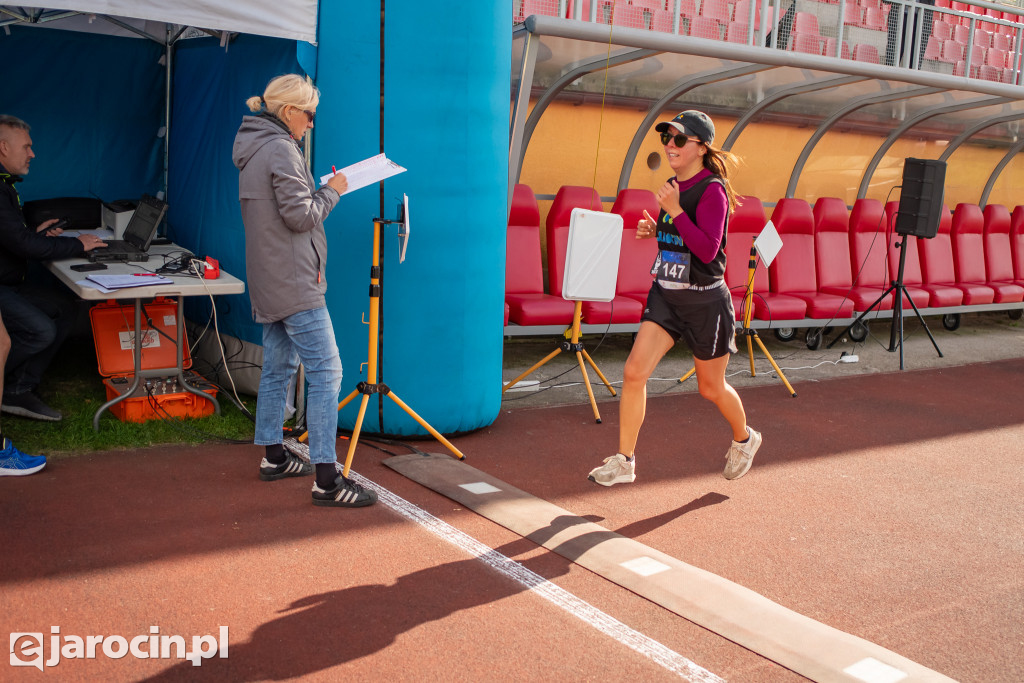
750,351
774,365
423,423
590,390
355,433
598,371
535,366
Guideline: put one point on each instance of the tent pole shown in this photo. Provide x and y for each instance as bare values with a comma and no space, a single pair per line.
168,53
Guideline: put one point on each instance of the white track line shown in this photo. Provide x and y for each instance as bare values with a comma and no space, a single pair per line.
648,647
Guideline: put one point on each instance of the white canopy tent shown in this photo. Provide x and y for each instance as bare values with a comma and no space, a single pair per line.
293,19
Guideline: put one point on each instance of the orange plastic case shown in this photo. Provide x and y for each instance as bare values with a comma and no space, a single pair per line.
157,398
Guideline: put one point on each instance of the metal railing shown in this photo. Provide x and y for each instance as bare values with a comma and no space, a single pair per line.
975,40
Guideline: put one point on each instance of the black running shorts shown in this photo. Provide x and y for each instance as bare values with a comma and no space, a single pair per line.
704,319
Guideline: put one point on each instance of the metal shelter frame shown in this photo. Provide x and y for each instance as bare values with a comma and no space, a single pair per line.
552,58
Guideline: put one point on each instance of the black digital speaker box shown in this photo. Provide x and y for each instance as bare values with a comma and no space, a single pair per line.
924,182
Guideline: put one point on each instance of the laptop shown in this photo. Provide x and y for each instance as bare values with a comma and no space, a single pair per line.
138,235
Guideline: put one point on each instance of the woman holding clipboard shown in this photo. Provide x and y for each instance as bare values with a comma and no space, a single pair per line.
286,260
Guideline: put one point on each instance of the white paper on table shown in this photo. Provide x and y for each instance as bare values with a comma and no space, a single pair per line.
366,172
95,285
129,280
768,243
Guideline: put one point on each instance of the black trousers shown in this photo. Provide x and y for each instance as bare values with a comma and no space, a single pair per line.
38,320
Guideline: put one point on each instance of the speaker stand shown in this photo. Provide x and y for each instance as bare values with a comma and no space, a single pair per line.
899,291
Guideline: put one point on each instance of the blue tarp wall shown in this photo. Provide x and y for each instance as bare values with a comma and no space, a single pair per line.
97,104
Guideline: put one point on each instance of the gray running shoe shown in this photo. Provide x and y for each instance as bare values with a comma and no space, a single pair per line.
741,456
31,406
616,470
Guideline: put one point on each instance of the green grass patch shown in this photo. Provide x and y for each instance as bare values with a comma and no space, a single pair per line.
74,386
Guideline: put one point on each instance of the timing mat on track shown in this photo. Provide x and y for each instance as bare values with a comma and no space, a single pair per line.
810,648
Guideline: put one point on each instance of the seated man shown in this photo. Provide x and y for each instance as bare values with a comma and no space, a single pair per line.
14,463
37,318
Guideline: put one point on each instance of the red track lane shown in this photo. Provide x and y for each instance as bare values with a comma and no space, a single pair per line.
886,505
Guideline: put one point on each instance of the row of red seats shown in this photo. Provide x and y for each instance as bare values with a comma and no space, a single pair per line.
834,263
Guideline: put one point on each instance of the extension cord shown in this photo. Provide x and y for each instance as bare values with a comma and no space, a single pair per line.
847,358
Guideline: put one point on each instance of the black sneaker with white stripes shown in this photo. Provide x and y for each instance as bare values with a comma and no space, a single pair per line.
293,466
345,493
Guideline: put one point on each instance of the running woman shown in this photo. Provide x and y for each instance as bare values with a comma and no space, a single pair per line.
688,298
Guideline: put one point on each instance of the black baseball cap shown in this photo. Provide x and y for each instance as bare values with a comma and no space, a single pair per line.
691,122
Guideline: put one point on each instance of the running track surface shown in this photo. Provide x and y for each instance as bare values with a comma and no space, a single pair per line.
888,506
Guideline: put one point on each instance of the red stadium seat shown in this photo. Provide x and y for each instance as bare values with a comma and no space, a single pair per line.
936,254
868,248
952,51
832,247
705,27
566,199
806,22
805,42
793,272
542,7
969,255
961,34
637,255
863,52
1017,243
627,15
736,32
741,12
829,50
942,30
913,280
569,197
876,19
662,21
853,15
716,9
746,223
998,257
525,300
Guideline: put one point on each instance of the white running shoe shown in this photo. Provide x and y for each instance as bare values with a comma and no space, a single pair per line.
616,470
741,455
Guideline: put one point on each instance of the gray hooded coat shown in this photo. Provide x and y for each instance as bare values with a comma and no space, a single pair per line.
283,212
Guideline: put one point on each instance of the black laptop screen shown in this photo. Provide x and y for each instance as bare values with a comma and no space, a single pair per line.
141,229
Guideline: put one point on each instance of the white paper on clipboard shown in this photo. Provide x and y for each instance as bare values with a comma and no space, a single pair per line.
768,243
592,256
366,172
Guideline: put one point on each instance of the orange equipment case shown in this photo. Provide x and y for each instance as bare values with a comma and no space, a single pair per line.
158,397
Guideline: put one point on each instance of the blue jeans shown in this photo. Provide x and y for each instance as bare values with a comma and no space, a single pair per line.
307,336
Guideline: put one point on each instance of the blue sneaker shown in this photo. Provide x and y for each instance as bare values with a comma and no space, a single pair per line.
14,463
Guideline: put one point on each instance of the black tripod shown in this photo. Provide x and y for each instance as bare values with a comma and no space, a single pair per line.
897,309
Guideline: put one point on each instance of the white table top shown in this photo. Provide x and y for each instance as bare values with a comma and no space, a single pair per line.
182,284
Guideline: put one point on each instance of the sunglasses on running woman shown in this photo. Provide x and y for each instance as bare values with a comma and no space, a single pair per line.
678,138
